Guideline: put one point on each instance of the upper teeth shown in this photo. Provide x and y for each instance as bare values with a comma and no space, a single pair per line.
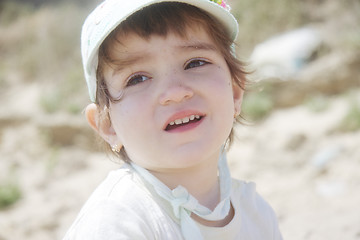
185,120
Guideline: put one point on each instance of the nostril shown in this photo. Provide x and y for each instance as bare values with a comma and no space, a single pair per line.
175,94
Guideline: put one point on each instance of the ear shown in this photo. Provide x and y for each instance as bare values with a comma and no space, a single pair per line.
238,93
101,123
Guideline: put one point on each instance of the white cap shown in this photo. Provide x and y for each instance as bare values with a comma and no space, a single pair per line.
108,15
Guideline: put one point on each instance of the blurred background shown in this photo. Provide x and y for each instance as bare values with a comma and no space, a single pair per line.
300,143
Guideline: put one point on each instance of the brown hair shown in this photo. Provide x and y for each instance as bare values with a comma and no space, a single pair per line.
160,19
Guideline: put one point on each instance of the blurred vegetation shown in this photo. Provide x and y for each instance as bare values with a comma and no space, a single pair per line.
259,20
10,11
39,3
257,105
318,103
10,191
43,46
9,194
351,121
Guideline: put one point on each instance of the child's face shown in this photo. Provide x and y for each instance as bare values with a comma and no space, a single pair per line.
166,80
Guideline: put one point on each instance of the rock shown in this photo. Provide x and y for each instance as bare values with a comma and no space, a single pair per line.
285,55
331,74
12,121
330,188
295,142
322,158
63,131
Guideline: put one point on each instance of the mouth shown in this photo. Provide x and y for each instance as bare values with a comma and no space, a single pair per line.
183,122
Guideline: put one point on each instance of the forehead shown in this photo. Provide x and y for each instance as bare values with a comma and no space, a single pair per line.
191,36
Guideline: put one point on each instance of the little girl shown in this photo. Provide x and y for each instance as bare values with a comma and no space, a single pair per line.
166,90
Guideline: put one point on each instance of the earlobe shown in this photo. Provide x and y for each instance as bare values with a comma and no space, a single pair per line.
101,125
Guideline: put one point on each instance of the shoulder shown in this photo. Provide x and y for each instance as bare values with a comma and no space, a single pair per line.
243,188
109,220
118,209
246,193
256,213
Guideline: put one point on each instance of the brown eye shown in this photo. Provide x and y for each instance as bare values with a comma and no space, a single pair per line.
195,63
136,79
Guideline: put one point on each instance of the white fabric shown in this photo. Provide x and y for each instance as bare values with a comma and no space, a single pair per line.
124,207
183,203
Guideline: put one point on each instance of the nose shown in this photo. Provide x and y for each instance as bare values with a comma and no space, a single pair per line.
175,92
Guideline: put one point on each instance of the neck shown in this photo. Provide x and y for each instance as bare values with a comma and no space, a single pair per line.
201,181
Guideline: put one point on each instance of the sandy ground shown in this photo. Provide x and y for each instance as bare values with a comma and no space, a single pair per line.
309,175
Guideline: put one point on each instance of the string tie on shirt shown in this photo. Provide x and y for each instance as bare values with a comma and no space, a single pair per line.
184,204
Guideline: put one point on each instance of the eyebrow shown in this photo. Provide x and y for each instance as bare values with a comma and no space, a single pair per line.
129,59
198,46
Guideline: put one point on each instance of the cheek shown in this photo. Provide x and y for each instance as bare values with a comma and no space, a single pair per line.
221,85
224,96
120,116
129,115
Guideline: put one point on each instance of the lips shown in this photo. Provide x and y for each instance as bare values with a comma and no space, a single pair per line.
182,121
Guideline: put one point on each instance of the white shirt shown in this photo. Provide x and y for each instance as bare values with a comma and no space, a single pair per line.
125,207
